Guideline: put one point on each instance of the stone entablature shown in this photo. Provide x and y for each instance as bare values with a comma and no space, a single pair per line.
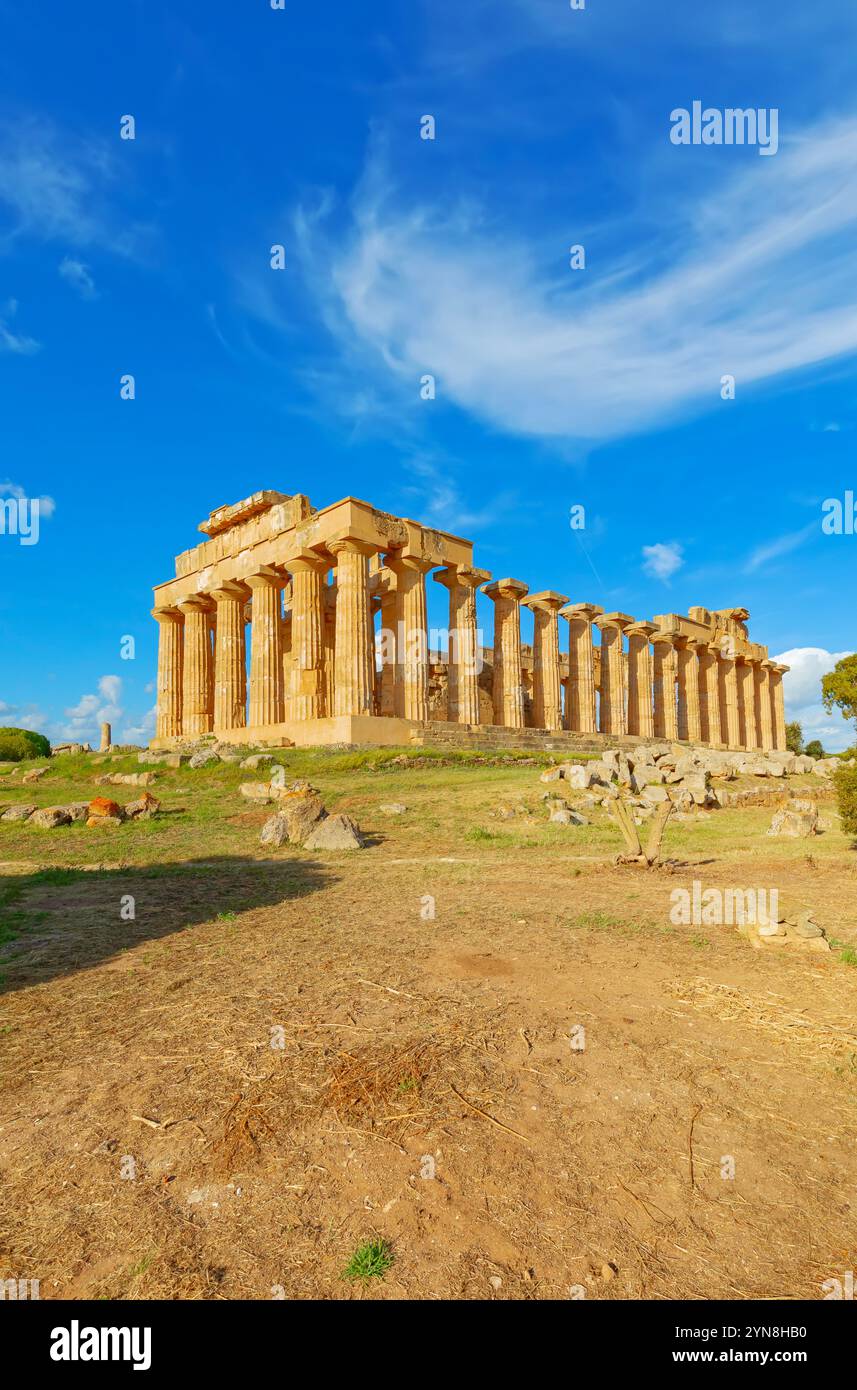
310,584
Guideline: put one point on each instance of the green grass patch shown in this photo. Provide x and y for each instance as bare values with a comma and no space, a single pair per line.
370,1260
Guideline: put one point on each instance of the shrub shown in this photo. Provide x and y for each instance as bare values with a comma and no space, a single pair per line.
845,782
814,749
17,744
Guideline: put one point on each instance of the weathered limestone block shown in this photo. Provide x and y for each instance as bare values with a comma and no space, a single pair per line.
49,817
22,811
338,832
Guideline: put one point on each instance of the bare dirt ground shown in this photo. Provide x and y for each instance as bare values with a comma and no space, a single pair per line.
422,1085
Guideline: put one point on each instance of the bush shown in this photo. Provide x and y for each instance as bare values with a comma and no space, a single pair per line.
17,744
814,749
845,782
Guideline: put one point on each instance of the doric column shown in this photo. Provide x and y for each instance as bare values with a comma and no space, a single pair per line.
746,708
729,726
230,657
266,649
506,595
581,712
764,709
410,572
390,616
196,668
354,673
170,662
688,715
307,666
329,595
547,694
613,717
709,693
464,651
778,708
665,672
641,719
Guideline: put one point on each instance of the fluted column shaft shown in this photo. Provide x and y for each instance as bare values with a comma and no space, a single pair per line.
410,573
389,650
641,720
764,711
508,683
547,691
665,664
687,672
729,723
709,694
581,710
170,678
230,658
613,716
354,674
266,651
746,707
197,669
463,665
307,665
778,709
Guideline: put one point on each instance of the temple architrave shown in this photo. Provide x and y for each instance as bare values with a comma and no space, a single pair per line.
268,635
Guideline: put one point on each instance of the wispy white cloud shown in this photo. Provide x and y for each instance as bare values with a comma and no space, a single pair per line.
47,505
10,341
781,545
78,276
94,709
760,281
661,561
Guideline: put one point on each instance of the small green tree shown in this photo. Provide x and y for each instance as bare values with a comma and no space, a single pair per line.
17,744
794,737
839,687
845,783
814,749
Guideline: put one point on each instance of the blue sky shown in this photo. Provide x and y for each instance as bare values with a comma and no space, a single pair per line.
405,256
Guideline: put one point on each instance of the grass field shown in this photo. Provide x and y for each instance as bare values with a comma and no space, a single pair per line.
351,1076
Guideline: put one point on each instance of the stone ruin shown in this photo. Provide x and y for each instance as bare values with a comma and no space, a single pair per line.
310,583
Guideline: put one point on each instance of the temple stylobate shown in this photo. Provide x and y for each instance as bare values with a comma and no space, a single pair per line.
289,623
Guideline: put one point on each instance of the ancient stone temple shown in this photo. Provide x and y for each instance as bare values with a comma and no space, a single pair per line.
288,623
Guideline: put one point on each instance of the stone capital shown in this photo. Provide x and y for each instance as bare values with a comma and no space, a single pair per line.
466,575
670,635
231,590
196,603
166,615
614,620
398,561
587,611
353,544
506,589
640,630
548,601
266,578
308,562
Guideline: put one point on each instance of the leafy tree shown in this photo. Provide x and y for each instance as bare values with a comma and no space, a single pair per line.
814,749
839,687
794,737
845,783
16,744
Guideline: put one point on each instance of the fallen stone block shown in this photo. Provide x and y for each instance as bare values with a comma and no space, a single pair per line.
104,811
303,810
563,815
19,812
335,833
257,791
796,824
35,774
143,808
49,817
256,760
206,757
275,831
394,808
164,759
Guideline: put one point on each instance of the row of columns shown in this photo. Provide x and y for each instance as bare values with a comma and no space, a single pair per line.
667,685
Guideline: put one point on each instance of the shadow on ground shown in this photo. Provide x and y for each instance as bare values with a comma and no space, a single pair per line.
56,922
